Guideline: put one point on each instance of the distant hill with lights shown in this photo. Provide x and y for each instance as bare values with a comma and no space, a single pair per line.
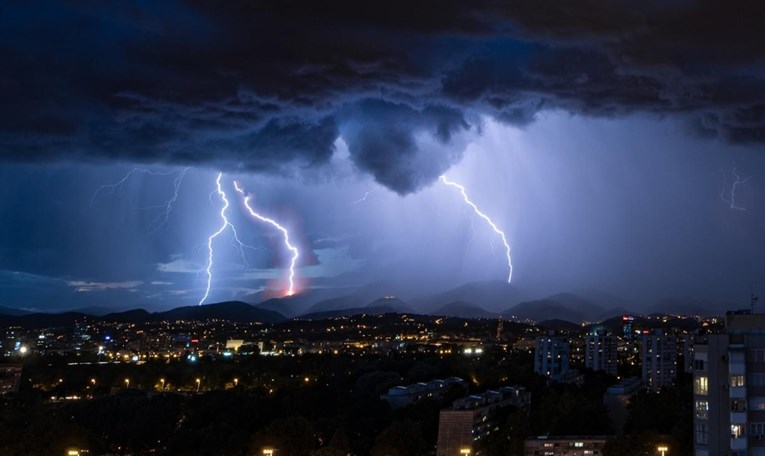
230,311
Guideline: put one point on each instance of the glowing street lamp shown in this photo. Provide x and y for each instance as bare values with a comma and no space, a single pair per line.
127,383
199,382
236,382
162,380
465,451
268,451
663,449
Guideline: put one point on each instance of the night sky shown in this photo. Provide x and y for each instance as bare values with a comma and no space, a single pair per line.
603,137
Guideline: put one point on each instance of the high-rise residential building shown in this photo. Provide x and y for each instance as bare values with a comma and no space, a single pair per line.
600,353
472,418
659,357
551,356
687,366
628,326
729,388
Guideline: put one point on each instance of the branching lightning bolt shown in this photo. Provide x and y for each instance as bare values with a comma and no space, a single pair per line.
224,225
116,185
487,220
164,209
161,219
275,224
731,199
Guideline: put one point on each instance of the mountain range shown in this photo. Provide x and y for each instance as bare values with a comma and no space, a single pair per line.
488,299
231,311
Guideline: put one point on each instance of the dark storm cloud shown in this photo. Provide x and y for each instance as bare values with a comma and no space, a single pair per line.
268,87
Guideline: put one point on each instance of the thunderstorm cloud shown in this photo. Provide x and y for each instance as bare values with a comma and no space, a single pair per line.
269,86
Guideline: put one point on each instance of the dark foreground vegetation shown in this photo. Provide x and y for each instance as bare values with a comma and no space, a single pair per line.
310,405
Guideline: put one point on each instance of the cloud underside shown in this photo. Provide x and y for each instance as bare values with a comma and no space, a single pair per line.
241,87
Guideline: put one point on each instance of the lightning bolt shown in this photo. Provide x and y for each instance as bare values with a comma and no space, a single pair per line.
487,220
165,208
225,224
363,198
117,185
731,200
275,224
161,219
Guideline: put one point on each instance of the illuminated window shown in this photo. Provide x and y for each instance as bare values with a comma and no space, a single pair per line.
736,431
702,410
736,380
701,386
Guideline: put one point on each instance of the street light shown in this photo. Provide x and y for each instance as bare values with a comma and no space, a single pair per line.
268,451
127,383
199,381
236,382
465,451
663,449
162,380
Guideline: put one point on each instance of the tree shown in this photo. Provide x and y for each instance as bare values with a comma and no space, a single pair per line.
292,436
402,438
338,446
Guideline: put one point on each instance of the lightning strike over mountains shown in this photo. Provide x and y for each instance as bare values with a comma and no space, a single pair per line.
295,253
224,225
730,198
487,220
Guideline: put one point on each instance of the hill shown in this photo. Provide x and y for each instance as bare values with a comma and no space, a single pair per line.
231,311
349,312
561,306
489,295
463,309
392,302
359,297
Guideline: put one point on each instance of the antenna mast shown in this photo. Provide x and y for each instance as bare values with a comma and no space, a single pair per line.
753,301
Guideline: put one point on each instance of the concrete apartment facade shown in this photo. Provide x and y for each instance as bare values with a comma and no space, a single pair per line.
729,389
659,357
